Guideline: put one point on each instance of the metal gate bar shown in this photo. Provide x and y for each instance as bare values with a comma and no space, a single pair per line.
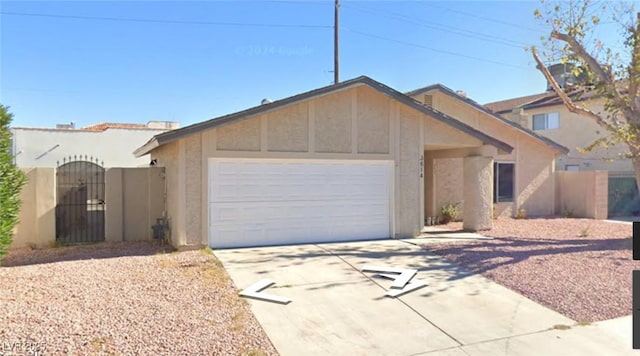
80,200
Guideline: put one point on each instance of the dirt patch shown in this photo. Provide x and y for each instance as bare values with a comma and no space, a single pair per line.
125,298
579,267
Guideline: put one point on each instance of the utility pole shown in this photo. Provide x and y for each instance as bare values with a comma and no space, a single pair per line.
336,60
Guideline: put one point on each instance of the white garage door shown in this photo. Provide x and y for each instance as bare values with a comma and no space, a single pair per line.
258,202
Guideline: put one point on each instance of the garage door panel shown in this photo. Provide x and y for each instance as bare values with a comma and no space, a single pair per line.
267,202
265,212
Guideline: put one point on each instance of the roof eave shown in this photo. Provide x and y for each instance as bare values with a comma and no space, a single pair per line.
147,147
173,135
546,141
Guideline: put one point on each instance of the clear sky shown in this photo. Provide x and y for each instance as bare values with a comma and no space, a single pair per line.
89,62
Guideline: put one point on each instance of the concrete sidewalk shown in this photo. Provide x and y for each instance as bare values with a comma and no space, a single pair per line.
337,309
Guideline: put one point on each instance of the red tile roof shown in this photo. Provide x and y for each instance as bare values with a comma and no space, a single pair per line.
113,125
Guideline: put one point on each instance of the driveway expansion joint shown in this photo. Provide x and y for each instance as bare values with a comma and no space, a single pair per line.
398,299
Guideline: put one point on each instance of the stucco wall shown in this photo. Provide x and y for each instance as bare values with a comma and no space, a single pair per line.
356,123
134,200
534,160
408,188
478,195
194,197
167,157
373,122
241,136
37,226
333,123
288,130
441,136
46,147
535,181
449,183
582,194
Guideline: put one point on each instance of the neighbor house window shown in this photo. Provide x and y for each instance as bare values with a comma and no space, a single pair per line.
547,121
572,167
503,182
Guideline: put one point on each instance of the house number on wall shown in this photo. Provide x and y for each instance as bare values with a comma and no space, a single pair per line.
403,282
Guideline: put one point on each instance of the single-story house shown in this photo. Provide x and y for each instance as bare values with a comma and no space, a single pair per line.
354,160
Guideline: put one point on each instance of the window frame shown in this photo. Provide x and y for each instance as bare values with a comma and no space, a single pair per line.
496,182
548,118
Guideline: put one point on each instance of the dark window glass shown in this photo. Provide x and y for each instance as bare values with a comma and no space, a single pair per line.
539,122
503,179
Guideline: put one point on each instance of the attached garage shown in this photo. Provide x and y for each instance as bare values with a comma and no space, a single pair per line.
258,202
345,162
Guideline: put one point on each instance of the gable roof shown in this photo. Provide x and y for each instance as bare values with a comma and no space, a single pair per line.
549,98
170,136
443,89
505,106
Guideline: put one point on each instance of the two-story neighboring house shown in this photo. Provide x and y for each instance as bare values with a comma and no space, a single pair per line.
546,115
110,144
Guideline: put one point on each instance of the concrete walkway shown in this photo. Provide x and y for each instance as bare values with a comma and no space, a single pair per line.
339,310
438,234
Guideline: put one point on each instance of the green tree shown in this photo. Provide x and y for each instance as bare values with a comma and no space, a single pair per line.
611,71
11,182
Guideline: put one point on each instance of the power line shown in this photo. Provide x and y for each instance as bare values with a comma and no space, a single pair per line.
435,49
125,19
441,27
488,19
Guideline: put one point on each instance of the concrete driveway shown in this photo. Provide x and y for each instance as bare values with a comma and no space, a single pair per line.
337,309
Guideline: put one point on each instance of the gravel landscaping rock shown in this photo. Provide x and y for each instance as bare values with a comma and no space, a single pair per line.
579,267
124,298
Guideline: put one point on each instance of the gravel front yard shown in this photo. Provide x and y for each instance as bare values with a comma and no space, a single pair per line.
124,298
579,267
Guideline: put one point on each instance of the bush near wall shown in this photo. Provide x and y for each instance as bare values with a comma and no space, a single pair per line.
11,182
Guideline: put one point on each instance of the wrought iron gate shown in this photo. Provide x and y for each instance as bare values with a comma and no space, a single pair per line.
80,202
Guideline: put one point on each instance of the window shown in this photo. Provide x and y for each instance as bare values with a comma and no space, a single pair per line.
503,178
548,121
572,167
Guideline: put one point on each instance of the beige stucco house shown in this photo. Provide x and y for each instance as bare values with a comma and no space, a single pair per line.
355,160
546,115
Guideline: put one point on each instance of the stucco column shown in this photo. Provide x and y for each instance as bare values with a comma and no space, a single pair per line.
477,193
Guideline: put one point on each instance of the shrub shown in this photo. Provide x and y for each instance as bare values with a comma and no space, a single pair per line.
11,181
448,212
584,232
566,212
521,214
